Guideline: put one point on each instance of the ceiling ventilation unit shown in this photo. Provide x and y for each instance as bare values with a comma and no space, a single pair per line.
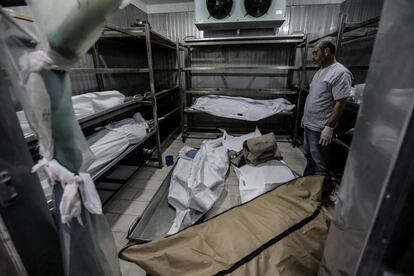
219,9
257,8
247,14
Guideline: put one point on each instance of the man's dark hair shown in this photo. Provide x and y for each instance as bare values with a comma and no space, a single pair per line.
327,43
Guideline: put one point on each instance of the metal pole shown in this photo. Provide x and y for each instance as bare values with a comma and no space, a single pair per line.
154,97
96,64
292,56
187,63
12,264
340,33
181,90
303,77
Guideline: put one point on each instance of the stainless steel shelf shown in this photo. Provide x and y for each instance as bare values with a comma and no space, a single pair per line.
165,69
350,27
162,40
118,70
162,118
353,67
289,39
233,68
219,68
111,112
239,91
366,34
356,25
216,133
192,111
122,155
165,91
148,96
109,70
98,117
112,31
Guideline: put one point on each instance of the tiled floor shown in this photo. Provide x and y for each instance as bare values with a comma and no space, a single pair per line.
131,201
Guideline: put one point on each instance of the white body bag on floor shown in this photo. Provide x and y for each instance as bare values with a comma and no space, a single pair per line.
256,180
241,108
197,183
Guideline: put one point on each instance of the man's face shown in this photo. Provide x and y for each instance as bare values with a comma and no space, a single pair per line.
318,55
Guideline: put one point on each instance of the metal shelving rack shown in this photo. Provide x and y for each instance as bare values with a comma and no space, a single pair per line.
292,41
143,35
345,32
150,37
149,98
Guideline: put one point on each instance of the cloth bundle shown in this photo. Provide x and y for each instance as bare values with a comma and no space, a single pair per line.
257,150
255,159
261,149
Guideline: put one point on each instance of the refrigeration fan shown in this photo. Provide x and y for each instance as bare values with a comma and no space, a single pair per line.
257,8
219,9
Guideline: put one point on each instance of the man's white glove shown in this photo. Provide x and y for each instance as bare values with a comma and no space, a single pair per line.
326,136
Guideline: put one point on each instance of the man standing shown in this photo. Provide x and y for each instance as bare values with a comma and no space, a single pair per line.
329,90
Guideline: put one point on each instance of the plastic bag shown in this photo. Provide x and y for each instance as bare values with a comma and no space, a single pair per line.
70,27
67,28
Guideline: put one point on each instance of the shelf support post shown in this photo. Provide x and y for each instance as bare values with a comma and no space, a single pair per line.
154,97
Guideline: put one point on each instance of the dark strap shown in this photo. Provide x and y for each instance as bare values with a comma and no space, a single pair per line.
259,250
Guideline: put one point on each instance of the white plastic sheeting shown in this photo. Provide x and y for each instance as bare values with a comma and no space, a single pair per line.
67,29
196,184
108,143
241,108
256,180
235,143
83,106
71,206
94,102
115,138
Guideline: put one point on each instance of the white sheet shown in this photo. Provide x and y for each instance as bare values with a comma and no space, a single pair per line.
196,184
83,105
115,138
235,143
91,103
256,180
241,108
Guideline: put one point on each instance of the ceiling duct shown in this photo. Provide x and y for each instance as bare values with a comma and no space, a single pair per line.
219,9
257,8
